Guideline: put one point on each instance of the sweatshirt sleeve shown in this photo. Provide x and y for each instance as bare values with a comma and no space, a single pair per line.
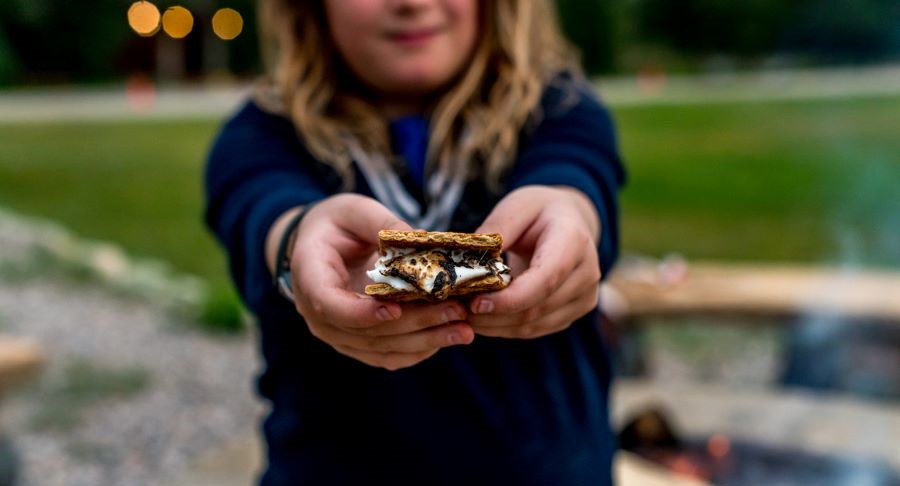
574,144
255,171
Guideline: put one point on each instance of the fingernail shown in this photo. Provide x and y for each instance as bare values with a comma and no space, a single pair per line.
382,314
454,338
452,314
484,307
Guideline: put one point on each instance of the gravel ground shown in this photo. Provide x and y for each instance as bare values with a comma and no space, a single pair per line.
195,391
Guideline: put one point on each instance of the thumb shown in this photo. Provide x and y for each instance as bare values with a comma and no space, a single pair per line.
363,217
511,218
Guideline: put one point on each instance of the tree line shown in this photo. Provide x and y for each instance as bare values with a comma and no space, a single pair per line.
76,41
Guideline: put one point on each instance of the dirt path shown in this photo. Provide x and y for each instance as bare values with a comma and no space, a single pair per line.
214,101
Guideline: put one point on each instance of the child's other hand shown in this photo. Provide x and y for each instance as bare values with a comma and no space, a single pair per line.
336,243
550,235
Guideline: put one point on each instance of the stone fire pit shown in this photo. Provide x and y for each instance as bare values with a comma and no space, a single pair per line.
850,428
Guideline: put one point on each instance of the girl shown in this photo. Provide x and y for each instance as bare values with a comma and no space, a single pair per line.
460,115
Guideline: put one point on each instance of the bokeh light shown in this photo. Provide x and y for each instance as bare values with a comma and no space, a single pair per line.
177,22
227,23
143,17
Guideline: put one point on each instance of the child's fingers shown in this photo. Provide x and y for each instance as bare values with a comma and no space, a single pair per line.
547,323
351,310
321,281
363,217
416,317
324,295
320,290
512,217
552,264
570,289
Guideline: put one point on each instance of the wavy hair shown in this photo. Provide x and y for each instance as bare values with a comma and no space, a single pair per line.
477,120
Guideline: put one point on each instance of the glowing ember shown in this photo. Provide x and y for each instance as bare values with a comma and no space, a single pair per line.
143,18
227,23
685,466
718,446
177,22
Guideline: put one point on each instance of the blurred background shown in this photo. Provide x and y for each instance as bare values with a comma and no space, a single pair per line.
755,314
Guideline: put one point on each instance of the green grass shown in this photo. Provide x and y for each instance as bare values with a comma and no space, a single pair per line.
135,183
808,181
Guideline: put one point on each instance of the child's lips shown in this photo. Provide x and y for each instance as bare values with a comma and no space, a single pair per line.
413,37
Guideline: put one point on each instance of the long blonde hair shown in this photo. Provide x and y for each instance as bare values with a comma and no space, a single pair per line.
478,119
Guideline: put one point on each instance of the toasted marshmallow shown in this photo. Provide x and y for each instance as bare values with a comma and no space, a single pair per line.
435,271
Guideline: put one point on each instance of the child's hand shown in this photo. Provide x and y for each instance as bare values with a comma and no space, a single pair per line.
550,235
336,243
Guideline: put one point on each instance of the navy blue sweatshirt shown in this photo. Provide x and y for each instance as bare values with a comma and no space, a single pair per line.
499,411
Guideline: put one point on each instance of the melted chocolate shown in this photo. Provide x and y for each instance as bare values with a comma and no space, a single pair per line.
395,272
450,267
439,282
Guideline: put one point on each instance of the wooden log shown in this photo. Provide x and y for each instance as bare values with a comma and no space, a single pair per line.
644,290
835,425
20,360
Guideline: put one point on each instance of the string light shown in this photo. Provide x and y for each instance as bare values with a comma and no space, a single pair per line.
227,23
143,18
177,22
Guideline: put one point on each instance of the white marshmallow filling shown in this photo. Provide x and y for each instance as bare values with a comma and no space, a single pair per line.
408,269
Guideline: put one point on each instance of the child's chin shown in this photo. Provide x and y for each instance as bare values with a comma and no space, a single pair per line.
421,81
